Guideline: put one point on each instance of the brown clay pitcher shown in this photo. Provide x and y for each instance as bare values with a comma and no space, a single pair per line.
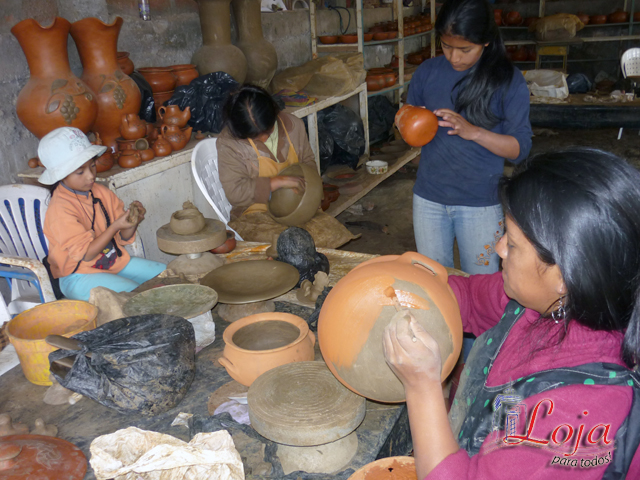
161,147
129,159
131,127
172,115
176,137
53,97
117,93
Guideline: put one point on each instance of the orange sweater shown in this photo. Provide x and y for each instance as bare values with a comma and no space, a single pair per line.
67,226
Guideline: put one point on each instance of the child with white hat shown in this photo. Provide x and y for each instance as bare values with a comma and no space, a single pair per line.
86,244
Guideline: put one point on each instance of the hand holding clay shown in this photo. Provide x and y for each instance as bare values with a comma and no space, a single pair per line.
123,222
297,183
412,354
458,124
136,212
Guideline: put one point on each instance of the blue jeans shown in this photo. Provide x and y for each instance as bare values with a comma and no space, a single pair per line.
77,286
477,230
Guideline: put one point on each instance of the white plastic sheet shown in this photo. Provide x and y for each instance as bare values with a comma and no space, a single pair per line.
547,83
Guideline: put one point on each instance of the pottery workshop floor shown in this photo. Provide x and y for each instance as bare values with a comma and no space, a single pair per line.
392,199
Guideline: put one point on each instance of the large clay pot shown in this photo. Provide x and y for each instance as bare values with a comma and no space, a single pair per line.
417,125
261,56
619,16
217,52
258,343
161,79
357,310
513,19
185,73
293,209
53,97
117,93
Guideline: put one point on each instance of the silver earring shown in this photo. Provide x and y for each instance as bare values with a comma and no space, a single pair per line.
560,313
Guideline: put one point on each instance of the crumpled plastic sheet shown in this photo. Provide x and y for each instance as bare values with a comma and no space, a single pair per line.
134,454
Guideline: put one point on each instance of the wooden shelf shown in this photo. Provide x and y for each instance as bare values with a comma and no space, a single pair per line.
389,89
323,102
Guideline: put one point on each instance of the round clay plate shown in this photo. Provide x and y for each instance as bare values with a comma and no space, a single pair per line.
303,404
186,301
41,457
251,280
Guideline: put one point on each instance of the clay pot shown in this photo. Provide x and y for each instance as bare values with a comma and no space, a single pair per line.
392,35
187,221
227,246
125,63
636,17
380,36
129,159
597,19
258,343
376,28
176,137
417,125
146,155
325,203
531,54
367,37
361,305
497,16
160,98
117,93
185,73
152,132
132,128
375,82
292,209
390,79
619,16
520,55
584,18
53,97
161,147
172,115
390,468
161,79
328,39
262,59
513,19
34,162
350,38
217,52
414,59
136,144
105,161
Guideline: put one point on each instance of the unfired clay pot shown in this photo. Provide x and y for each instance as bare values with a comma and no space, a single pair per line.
292,209
53,97
217,52
261,56
417,125
185,73
172,115
125,63
258,343
186,221
360,306
117,93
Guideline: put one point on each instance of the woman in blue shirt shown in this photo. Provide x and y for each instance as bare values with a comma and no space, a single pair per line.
482,102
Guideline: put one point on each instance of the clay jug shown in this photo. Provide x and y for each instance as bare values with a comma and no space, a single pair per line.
360,306
53,97
176,137
129,159
132,128
172,115
261,56
161,147
217,53
185,73
117,93
417,125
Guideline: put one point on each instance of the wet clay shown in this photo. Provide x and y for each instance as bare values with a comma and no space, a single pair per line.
41,428
187,221
134,213
266,335
7,427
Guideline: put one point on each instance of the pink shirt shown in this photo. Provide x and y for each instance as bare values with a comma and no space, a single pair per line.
482,301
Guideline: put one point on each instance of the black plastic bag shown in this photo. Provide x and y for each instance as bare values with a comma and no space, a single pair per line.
325,144
346,128
143,364
381,117
147,106
206,95
579,83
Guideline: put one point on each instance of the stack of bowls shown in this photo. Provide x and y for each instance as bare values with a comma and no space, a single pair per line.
162,81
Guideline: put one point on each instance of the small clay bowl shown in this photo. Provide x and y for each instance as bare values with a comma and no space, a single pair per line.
292,209
328,39
367,37
380,36
391,35
325,204
161,79
331,192
228,245
138,144
349,38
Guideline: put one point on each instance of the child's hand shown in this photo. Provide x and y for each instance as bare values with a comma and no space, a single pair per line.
123,223
138,215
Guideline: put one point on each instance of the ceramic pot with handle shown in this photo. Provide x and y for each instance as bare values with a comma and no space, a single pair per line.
132,127
176,137
172,115
360,306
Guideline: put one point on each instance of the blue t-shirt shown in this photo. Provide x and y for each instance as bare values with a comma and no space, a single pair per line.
454,171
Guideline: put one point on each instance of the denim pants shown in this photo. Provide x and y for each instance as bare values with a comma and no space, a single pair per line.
77,286
477,230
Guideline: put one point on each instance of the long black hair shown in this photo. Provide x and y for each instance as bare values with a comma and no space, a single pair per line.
580,209
474,21
250,111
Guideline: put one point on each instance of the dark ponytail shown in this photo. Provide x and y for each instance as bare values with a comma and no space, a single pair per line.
474,21
250,111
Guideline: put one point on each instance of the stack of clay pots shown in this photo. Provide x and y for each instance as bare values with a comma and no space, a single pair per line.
162,81
133,145
173,134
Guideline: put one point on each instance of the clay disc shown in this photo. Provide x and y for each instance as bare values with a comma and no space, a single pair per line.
251,280
186,301
328,458
302,404
211,236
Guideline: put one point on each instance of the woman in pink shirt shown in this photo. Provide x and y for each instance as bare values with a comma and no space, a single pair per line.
549,389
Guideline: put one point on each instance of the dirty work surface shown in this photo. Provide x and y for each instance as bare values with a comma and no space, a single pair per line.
82,422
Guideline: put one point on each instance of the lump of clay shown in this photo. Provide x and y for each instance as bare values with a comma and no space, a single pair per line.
309,292
7,427
42,429
296,247
134,213
187,221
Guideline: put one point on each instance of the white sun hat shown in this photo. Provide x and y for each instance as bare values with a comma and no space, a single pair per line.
63,151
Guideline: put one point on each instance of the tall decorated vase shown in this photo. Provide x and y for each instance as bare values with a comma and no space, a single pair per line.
217,53
117,93
53,97
261,56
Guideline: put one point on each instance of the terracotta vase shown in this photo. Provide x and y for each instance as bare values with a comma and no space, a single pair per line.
53,97
185,73
161,79
125,63
417,125
261,56
217,52
360,306
260,342
117,93
172,115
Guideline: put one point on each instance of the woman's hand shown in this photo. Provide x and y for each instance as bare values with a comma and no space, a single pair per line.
297,183
412,354
458,125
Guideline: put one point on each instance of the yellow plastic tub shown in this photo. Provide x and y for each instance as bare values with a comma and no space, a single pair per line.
28,330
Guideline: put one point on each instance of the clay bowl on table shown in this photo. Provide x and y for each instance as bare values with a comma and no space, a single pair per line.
348,38
390,79
228,245
390,468
258,343
619,16
161,79
294,209
367,37
328,39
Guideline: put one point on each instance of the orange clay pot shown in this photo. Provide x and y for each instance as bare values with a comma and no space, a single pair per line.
258,343
390,468
357,310
417,125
